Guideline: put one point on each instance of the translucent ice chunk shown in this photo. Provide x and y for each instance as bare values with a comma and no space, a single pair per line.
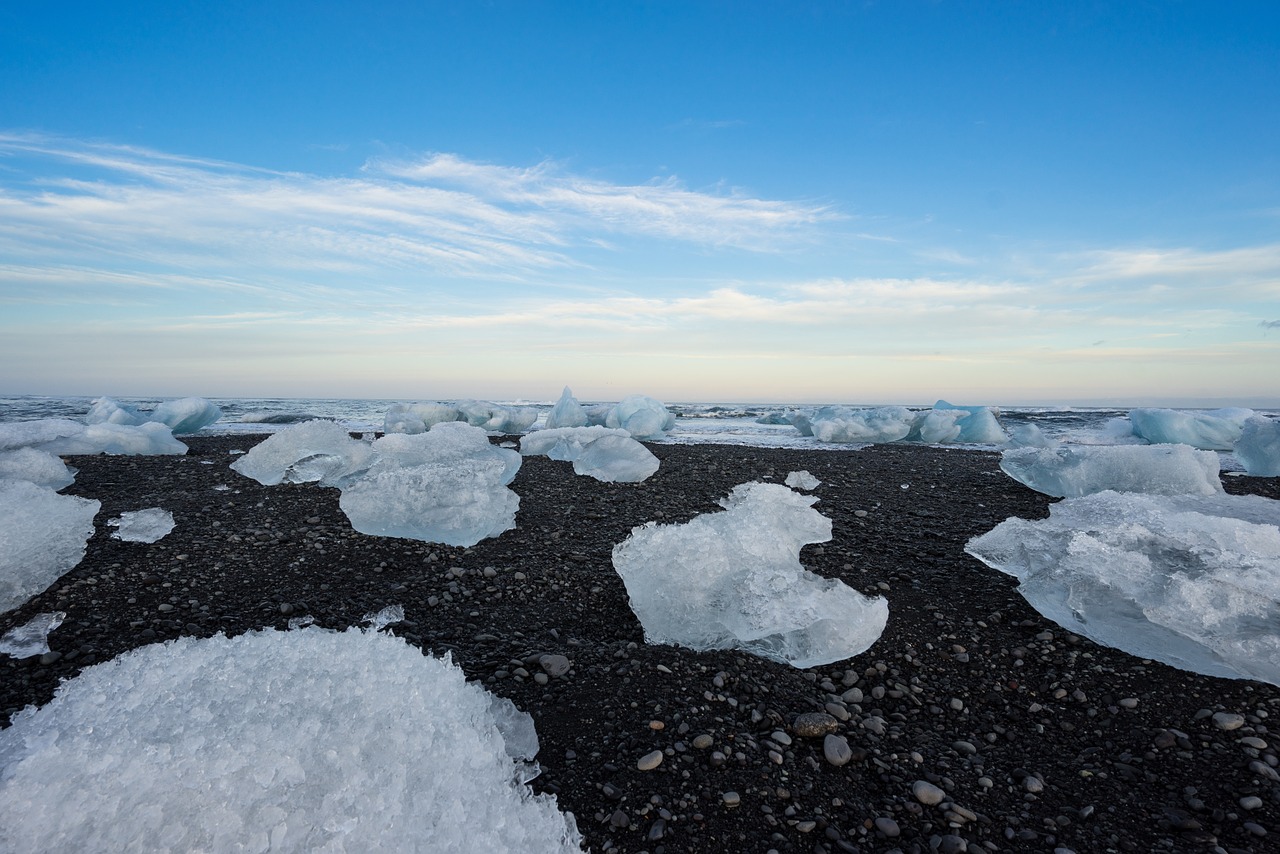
1191,581
1073,470
314,451
186,415
641,416
567,412
734,580
38,467
104,410
417,417
802,480
308,740
42,535
1215,430
1258,448
149,439
616,459
32,637
142,526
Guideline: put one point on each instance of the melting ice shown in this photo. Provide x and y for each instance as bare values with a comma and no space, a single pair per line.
42,535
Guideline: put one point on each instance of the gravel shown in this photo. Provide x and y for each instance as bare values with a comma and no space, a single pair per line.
1028,737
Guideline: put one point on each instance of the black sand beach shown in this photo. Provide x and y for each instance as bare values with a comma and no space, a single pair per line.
1031,738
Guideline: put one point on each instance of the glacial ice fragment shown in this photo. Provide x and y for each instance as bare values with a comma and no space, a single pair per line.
567,412
42,535
497,418
733,580
1258,448
104,410
149,439
608,455
417,417
1215,430
1192,581
32,637
447,485
310,740
979,426
142,526
1074,470
314,451
802,480
39,467
186,415
877,425
641,416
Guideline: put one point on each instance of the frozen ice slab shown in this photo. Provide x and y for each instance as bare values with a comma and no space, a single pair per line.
1074,470
1191,581
1258,448
417,417
104,410
33,434
641,416
298,741
567,412
881,424
608,455
39,467
733,580
447,485
802,480
186,415
978,426
42,535
150,439
32,637
142,526
314,451
1215,430
497,418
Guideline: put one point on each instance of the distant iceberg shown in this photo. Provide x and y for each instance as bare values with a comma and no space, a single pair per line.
944,423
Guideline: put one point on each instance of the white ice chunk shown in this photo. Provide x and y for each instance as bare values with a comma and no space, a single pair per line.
314,451
567,412
33,434
309,740
42,535
1191,581
104,410
598,414
607,454
733,580
1073,470
616,459
519,735
881,424
1030,436
186,415
388,616
641,416
38,467
148,439
142,526
802,480
32,637
447,485
1258,448
497,418
417,417
980,427
1215,430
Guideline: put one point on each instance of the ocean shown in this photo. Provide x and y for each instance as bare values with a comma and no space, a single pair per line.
716,423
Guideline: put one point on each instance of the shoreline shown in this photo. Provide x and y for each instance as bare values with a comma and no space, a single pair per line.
1017,721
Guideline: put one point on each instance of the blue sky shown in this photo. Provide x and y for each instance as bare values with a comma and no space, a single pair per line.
848,202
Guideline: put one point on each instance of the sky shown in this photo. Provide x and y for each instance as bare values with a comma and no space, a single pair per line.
1055,203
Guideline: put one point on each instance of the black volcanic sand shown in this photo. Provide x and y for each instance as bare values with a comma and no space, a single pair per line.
1039,739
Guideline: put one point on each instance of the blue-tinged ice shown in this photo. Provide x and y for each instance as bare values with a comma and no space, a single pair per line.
978,426
1215,430
1074,470
567,412
38,467
733,580
32,637
142,526
42,535
608,455
497,417
311,452
186,415
418,417
878,425
1258,448
306,740
67,438
448,485
1192,581
104,410
641,416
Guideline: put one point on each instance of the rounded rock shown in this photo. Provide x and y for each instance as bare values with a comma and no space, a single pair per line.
814,724
731,799
702,742
836,750
888,827
650,761
554,665
927,793
1227,721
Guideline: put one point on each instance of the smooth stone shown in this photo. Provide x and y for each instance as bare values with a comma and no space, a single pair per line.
1227,721
650,761
619,819
1250,802
888,827
964,748
702,742
1129,703
814,724
554,665
836,749
952,844
927,793
731,799
1033,784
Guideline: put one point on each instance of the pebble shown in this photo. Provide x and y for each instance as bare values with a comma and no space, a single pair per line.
888,827
964,748
1227,721
650,761
702,742
1129,703
619,819
1250,802
952,844
813,724
731,799
1033,784
836,750
927,793
554,665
